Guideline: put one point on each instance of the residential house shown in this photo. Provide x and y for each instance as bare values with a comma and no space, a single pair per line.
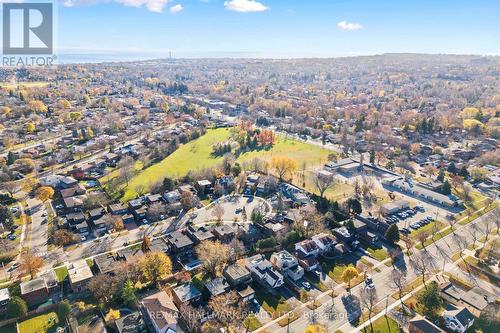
186,293
130,323
160,313
199,234
216,287
420,324
306,252
237,275
458,319
263,272
179,242
79,274
73,191
118,209
38,290
204,186
4,298
287,264
104,263
324,241
172,196
224,232
294,193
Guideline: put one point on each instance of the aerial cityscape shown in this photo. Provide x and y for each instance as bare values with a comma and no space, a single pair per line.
245,174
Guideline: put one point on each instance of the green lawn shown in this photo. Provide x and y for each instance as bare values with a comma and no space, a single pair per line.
275,306
61,273
197,154
382,325
379,254
335,270
252,323
45,323
35,84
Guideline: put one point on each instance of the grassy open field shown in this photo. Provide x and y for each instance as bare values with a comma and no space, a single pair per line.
383,325
197,154
36,84
44,323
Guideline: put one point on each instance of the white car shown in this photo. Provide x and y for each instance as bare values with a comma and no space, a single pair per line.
83,238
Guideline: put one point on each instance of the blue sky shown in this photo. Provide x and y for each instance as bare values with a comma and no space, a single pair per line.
279,28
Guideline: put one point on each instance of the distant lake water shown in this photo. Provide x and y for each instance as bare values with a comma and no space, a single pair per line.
75,58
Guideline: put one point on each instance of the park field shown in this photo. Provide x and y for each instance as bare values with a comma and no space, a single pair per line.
197,154
34,84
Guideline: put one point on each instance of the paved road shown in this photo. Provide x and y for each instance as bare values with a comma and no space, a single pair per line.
438,254
39,229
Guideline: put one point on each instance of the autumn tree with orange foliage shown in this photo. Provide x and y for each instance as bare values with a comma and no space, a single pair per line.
284,166
31,264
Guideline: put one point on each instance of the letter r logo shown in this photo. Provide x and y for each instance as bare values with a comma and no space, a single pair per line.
27,28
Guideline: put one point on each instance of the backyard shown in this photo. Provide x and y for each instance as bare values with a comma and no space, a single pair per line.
44,323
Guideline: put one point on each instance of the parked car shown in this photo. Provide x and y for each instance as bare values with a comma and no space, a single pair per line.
59,206
369,282
11,237
306,285
83,238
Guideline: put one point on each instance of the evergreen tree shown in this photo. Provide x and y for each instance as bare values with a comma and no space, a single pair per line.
446,188
464,172
63,310
392,234
16,307
11,158
440,176
372,156
128,293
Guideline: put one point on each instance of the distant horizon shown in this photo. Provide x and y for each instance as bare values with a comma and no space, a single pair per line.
100,56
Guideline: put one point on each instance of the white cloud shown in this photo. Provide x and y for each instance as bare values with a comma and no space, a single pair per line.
176,9
349,26
245,6
156,6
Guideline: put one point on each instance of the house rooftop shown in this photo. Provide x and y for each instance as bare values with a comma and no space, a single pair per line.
236,271
217,286
186,292
79,271
129,323
425,325
161,305
32,285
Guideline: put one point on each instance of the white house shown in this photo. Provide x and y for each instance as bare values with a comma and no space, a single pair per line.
263,271
324,241
308,247
287,264
458,320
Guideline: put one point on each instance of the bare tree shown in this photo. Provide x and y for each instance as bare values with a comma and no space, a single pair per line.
322,182
475,232
218,212
155,211
398,281
421,265
422,237
368,297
